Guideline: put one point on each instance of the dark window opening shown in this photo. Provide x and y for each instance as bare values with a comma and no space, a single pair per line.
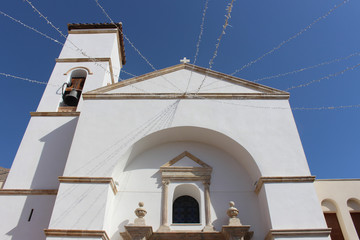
186,210
356,220
333,223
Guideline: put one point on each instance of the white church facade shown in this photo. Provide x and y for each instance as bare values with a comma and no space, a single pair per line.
161,156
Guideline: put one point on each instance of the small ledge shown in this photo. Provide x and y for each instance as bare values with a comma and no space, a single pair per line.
54,114
186,224
283,179
28,191
106,180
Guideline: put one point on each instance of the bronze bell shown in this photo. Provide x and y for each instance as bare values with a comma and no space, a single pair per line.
71,98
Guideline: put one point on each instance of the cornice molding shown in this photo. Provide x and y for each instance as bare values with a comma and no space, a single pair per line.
283,179
54,114
207,72
28,191
237,96
76,233
107,180
297,233
66,60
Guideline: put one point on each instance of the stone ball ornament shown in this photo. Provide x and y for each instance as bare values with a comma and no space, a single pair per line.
232,212
140,212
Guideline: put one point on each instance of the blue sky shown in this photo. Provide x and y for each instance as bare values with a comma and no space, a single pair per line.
167,30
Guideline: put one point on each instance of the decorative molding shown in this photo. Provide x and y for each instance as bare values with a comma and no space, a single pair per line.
28,191
80,67
93,28
91,95
264,89
54,114
170,173
181,235
108,180
338,180
297,233
66,60
76,233
287,179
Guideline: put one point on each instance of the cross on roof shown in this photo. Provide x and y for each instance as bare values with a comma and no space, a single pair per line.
184,60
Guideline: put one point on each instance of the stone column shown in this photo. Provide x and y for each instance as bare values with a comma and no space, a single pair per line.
208,227
164,211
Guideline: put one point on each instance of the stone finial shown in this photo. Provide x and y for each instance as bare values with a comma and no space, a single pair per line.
140,212
232,212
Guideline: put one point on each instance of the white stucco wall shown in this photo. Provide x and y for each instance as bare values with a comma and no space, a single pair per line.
109,127
15,212
42,154
141,181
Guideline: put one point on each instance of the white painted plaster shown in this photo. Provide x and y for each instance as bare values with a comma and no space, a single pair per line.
294,205
42,154
141,181
80,206
15,212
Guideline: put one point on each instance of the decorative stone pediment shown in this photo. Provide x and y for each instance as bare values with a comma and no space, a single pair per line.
175,171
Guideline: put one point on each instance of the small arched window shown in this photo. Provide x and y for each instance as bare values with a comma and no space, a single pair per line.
331,218
186,210
354,208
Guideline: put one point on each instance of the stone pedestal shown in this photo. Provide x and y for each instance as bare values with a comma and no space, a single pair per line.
237,232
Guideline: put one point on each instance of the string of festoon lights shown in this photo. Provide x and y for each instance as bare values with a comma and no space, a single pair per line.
46,36
290,38
133,46
229,8
296,108
326,77
198,42
28,80
78,49
307,68
31,28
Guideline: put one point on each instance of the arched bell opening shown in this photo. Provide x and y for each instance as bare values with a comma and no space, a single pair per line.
71,90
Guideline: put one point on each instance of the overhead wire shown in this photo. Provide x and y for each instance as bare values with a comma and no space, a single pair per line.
198,42
31,28
307,68
27,79
94,60
133,46
326,77
291,38
226,24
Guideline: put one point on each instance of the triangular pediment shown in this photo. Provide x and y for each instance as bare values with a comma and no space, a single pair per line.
186,159
186,167
184,81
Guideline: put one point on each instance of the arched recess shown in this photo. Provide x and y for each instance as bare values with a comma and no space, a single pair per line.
137,170
354,209
194,134
330,210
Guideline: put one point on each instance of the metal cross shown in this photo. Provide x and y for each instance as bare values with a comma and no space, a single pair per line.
184,60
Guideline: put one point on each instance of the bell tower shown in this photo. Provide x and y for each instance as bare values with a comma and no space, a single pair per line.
92,57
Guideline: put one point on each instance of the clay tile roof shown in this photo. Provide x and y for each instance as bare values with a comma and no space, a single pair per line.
3,173
76,26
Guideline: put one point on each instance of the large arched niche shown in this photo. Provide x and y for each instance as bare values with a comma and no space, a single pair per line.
193,134
232,178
